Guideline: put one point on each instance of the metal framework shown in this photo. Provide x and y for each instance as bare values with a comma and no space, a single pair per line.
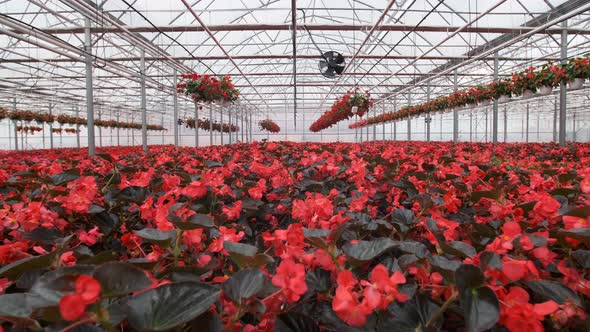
120,60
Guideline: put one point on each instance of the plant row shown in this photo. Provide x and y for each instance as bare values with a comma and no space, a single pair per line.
39,117
208,89
393,236
342,109
206,124
269,125
525,83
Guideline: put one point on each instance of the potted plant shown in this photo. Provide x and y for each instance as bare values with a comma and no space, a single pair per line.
577,71
549,77
525,83
501,90
208,89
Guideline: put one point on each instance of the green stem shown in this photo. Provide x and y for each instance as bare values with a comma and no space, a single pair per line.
176,252
442,309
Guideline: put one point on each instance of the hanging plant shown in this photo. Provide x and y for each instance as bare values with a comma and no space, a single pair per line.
208,89
342,109
56,131
269,126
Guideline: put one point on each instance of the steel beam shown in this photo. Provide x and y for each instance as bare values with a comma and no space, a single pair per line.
455,111
15,125
495,106
50,128
196,125
563,89
89,88
143,103
175,110
77,128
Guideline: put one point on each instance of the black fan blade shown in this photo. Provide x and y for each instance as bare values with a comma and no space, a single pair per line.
323,64
330,56
339,69
329,73
339,58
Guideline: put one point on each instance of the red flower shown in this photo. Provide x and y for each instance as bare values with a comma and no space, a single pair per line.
290,277
382,289
73,306
518,314
195,189
546,208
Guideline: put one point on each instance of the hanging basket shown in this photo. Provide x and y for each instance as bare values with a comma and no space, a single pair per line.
545,90
527,94
503,99
576,84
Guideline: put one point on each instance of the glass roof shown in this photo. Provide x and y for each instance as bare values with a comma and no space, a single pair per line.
398,50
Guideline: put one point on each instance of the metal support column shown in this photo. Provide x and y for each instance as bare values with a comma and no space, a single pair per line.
456,113
230,123
221,121
175,110
89,91
562,87
395,122
242,128
210,125
505,124
100,128
250,129
15,126
50,128
470,125
143,103
118,131
196,125
574,138
538,125
77,128
527,122
428,118
555,119
495,107
409,119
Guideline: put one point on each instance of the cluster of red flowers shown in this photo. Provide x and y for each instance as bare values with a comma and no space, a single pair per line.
291,236
205,124
71,130
269,125
29,129
57,130
531,79
29,116
342,110
208,89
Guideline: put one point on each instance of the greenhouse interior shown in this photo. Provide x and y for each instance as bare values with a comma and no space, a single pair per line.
302,166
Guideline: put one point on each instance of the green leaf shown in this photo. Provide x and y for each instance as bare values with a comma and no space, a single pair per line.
118,278
195,221
552,290
44,235
445,266
169,306
403,216
295,322
563,192
14,270
15,306
244,284
416,248
365,251
582,257
245,255
580,212
409,316
580,234
65,177
459,249
155,236
240,248
478,195
480,304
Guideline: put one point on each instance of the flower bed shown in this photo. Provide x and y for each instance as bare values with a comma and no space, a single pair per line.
297,237
269,125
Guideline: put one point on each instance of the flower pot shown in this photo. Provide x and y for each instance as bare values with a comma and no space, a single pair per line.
546,90
527,94
576,84
503,99
485,102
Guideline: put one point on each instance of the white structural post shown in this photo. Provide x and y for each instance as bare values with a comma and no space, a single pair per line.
118,133
50,128
15,126
89,91
196,125
175,110
394,121
428,119
99,128
210,125
384,109
470,125
505,125
162,124
527,122
409,118
77,128
574,138
230,123
562,87
242,128
143,103
456,113
495,107
221,121
555,119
